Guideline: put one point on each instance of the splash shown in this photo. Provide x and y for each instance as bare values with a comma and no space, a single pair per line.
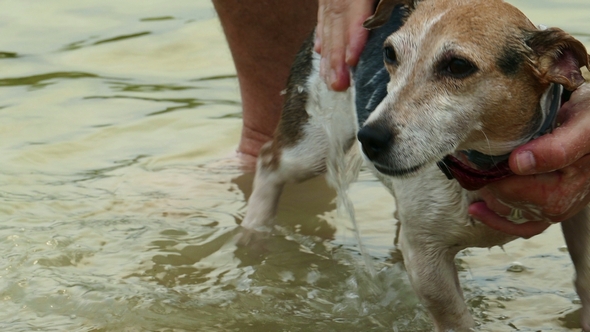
336,116
343,163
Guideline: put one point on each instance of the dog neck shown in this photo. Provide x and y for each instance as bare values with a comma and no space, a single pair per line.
489,168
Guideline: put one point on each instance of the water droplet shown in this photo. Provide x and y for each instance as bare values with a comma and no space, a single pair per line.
516,267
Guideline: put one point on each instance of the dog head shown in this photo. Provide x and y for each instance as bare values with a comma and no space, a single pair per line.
464,75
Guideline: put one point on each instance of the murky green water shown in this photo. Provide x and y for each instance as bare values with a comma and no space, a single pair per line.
120,199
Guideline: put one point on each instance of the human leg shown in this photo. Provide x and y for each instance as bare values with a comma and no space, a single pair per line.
264,37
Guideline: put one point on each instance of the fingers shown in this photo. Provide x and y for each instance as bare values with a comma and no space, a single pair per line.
340,38
317,46
505,208
557,195
481,212
334,39
562,147
544,198
554,181
357,35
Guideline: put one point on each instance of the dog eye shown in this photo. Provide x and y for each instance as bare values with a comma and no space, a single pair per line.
389,55
459,68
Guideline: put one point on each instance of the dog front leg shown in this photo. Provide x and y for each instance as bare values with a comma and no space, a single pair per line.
433,275
577,236
267,188
278,165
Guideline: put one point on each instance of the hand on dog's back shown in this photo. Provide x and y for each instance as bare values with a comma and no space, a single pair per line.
340,38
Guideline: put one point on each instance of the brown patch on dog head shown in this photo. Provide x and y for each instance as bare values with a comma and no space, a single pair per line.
384,10
529,60
511,61
558,57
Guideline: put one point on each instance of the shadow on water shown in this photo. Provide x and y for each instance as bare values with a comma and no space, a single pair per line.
186,103
122,37
93,42
214,78
128,87
9,55
158,18
102,173
42,80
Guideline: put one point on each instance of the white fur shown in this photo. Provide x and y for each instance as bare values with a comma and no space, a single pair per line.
432,210
332,123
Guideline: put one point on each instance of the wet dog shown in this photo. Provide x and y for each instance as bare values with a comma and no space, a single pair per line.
455,88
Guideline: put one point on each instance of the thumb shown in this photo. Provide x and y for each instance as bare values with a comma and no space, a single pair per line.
566,144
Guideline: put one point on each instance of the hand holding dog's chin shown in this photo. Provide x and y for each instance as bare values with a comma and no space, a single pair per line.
553,181
340,38
481,212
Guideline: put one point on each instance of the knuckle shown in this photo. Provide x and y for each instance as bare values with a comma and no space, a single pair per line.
556,211
336,55
559,155
556,220
337,7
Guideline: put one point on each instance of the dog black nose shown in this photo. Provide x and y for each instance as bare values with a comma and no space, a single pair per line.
374,140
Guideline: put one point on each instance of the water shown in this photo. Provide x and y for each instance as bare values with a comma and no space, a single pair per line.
120,199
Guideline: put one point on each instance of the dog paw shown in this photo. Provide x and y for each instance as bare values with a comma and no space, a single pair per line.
248,237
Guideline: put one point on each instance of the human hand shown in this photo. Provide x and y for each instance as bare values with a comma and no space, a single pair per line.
340,38
553,175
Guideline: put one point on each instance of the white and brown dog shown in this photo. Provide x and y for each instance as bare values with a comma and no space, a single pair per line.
455,88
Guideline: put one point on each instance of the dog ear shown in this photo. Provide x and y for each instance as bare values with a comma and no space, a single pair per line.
384,10
559,57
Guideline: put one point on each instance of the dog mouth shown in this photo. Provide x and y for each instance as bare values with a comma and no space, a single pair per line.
468,177
471,178
397,172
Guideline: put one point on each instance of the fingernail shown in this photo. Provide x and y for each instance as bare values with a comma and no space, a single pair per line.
348,55
333,77
317,44
525,161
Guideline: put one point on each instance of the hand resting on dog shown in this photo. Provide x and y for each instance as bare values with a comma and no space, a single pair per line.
340,38
553,181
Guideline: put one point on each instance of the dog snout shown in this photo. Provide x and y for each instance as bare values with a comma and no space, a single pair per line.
374,140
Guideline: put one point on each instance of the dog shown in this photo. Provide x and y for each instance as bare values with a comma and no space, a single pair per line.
451,85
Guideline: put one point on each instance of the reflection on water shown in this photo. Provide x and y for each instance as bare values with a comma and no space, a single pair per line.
120,202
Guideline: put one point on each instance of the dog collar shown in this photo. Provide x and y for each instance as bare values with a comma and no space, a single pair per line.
495,168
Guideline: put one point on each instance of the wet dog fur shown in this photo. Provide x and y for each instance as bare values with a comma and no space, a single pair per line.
457,75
